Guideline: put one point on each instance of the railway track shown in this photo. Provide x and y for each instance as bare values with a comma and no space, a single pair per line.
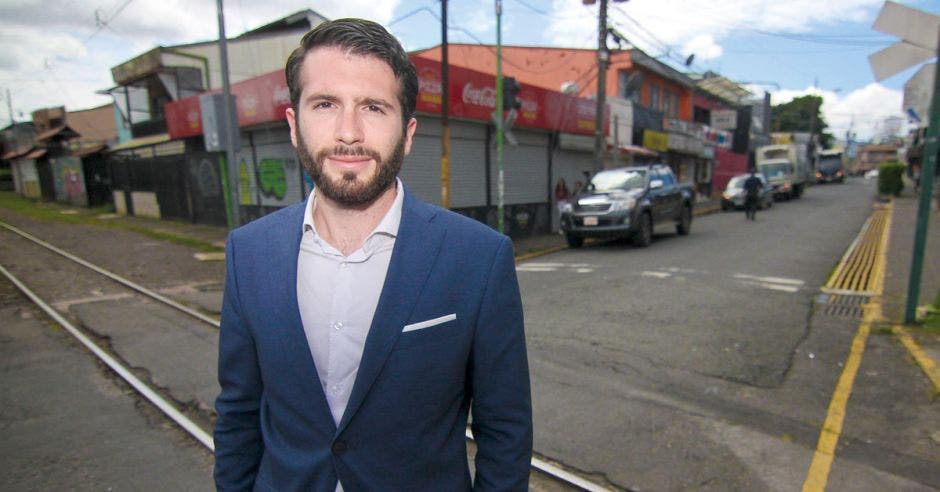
187,410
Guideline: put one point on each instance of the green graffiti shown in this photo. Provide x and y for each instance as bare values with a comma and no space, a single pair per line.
273,178
244,184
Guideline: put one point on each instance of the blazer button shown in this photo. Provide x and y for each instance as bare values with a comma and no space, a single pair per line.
339,447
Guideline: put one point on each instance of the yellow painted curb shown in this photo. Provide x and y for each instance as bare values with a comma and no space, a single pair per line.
818,474
923,360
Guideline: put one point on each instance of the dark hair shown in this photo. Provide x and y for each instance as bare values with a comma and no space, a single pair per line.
359,37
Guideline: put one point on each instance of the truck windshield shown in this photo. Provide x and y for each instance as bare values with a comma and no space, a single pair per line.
830,164
615,180
776,170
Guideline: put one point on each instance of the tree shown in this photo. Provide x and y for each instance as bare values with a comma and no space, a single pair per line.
802,114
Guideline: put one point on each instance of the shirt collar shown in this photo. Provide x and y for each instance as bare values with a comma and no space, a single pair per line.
388,225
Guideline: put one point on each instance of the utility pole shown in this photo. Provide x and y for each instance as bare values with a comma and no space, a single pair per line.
498,116
445,124
603,58
927,172
10,106
230,125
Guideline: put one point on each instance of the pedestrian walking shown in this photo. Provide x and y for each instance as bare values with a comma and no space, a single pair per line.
361,326
752,188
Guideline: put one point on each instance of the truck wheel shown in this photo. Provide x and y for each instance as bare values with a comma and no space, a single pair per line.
644,235
684,226
574,241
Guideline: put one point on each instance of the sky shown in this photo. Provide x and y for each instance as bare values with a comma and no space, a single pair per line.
60,52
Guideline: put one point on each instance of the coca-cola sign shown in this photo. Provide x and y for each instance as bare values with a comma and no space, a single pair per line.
480,96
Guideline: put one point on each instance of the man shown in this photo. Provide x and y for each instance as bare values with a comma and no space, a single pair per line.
360,326
752,186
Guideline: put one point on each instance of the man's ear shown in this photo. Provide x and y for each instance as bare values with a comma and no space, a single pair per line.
410,133
292,123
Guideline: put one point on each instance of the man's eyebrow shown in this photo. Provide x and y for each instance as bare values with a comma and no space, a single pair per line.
321,97
376,101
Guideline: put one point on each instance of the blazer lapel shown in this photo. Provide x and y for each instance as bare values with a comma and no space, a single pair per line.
416,249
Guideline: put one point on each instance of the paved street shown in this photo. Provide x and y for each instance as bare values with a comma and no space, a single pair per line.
70,424
701,362
698,362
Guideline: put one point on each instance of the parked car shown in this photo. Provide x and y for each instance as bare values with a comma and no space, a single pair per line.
733,196
628,202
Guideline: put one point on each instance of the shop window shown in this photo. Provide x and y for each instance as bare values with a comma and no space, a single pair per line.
654,98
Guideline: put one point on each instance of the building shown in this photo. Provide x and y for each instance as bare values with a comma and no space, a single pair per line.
149,172
724,108
660,97
61,157
270,177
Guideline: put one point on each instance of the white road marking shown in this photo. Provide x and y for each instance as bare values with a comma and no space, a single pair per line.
656,274
785,288
554,267
773,280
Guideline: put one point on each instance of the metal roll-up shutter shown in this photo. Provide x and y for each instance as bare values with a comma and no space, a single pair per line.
422,169
571,165
421,172
525,169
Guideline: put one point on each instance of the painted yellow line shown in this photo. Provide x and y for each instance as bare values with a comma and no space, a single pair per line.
818,474
923,360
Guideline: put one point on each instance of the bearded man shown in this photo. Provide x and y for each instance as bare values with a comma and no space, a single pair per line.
361,326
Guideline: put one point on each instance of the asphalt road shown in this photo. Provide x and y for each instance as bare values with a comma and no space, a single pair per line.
698,363
69,424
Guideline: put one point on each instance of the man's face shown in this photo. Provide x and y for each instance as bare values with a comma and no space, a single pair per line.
347,128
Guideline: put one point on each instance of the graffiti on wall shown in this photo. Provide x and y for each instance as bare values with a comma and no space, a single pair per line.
69,181
278,175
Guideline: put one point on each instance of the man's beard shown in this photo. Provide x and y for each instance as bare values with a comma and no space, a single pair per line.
349,190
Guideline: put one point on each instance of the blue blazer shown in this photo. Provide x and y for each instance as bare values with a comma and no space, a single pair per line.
404,426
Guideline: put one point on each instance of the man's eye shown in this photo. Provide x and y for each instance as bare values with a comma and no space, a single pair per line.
322,105
375,108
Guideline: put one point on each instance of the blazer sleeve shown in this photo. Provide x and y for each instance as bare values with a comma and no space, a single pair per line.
238,444
502,404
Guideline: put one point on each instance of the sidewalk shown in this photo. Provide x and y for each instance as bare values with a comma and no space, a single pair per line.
899,255
526,247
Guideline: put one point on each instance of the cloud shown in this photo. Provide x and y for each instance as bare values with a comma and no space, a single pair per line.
59,52
703,46
863,110
702,26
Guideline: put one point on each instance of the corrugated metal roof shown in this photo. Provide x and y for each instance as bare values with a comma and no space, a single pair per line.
142,141
36,154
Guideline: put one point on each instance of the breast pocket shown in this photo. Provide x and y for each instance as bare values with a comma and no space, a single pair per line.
429,331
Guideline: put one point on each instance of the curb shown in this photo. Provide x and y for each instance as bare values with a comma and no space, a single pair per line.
923,360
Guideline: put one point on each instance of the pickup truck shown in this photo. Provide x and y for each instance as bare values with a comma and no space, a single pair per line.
628,202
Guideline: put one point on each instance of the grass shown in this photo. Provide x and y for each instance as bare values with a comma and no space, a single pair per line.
56,212
932,319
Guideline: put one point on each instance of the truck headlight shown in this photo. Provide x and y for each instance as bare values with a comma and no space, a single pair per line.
626,204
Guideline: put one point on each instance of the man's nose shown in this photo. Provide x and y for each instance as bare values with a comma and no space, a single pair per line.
349,127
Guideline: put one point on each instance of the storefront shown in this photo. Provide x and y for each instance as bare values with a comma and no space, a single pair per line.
270,176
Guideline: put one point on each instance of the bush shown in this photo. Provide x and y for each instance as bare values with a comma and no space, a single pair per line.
890,178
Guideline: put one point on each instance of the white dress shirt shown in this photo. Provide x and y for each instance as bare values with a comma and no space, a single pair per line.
338,295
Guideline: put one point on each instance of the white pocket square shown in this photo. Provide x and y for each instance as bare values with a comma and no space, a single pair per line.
429,323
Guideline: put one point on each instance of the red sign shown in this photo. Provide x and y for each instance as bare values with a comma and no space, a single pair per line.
263,99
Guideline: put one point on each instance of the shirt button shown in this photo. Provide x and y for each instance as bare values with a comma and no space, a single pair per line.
338,325
339,447
343,264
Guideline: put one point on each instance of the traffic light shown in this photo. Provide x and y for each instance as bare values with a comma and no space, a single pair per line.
510,94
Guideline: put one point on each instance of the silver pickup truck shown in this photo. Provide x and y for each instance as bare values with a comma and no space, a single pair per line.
628,202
